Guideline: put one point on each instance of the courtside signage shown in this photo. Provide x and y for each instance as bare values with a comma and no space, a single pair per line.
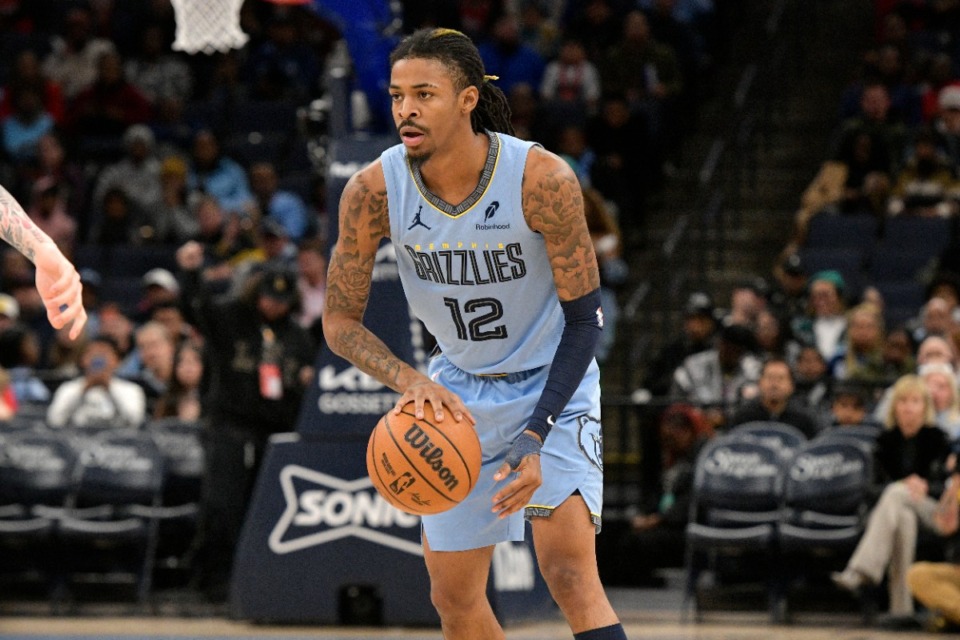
321,508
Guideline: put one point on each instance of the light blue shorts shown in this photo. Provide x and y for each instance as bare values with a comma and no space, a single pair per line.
571,460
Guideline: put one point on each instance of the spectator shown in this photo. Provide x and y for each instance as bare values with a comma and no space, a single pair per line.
947,124
24,127
811,377
48,210
285,207
260,362
699,328
157,72
573,148
898,350
824,323
110,105
182,397
137,174
72,63
789,297
910,458
719,376
932,350
20,356
150,364
647,72
64,355
937,584
876,119
936,319
283,65
927,186
571,80
117,221
773,337
68,176
613,269
942,383
848,407
98,397
312,285
597,26
219,176
619,172
159,287
26,75
507,57
775,401
8,402
656,538
860,355
747,300
175,220
169,313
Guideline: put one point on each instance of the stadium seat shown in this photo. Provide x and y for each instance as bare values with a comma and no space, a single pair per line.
783,437
107,539
734,510
890,264
855,231
180,445
37,474
825,507
864,433
928,236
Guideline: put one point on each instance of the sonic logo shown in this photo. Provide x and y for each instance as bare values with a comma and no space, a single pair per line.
321,508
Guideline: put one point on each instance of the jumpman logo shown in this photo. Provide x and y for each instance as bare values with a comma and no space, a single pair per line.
417,222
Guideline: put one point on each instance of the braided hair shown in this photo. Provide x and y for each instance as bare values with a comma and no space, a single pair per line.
457,52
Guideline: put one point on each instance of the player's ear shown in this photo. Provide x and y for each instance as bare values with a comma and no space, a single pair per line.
469,98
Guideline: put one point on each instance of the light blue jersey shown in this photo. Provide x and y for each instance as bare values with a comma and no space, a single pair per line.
480,280
474,273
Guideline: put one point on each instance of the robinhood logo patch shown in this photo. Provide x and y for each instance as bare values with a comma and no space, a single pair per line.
321,508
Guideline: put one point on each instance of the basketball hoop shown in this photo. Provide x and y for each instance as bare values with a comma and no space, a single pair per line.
208,25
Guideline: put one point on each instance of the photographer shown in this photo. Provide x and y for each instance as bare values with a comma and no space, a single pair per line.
98,397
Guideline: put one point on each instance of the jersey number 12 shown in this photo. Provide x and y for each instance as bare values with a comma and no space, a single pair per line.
478,328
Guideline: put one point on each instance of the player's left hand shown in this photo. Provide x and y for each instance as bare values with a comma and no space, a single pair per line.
59,286
517,494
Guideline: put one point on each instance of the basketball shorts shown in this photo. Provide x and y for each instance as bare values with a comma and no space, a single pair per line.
571,460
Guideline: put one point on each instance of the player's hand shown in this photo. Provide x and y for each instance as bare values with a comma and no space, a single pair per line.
58,284
422,392
517,494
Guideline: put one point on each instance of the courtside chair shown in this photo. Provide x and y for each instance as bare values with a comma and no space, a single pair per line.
825,507
108,533
785,438
734,511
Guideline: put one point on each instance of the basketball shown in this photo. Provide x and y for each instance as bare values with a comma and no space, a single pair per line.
421,468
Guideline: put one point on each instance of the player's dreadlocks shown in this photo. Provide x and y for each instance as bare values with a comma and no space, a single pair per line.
456,51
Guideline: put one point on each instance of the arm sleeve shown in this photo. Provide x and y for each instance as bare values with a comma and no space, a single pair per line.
581,333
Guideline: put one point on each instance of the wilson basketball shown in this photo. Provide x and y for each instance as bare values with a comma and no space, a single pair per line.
419,467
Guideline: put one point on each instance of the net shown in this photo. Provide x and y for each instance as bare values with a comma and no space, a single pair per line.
208,25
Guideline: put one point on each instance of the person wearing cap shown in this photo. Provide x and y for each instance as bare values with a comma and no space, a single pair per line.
789,297
719,377
259,361
699,328
159,286
824,324
927,185
947,123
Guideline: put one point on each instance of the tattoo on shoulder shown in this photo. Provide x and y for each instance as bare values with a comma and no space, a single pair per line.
16,227
553,206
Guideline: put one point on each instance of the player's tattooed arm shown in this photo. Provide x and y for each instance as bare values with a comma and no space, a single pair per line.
16,227
363,223
553,206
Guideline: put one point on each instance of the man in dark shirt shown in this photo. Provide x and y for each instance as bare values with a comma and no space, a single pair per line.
775,400
699,328
259,365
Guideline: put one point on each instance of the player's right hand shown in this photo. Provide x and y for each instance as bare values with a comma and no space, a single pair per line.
426,390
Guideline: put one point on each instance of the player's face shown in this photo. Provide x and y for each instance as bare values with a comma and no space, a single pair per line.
426,105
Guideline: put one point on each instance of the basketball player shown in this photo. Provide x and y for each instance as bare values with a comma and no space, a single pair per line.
57,280
496,259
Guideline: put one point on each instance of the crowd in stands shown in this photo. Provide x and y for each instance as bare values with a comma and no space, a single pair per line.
184,189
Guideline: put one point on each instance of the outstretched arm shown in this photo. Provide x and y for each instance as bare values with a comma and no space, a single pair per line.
364,222
57,280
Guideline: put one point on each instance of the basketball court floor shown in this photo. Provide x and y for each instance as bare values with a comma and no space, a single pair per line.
647,615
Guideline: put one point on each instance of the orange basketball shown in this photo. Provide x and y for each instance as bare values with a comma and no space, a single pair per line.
419,467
